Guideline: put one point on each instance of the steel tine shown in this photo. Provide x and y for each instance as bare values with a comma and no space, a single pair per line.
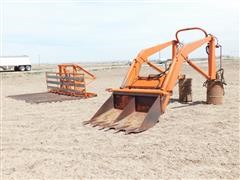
103,125
107,122
101,128
94,124
89,121
130,130
97,122
86,122
106,125
106,129
121,127
113,125
117,131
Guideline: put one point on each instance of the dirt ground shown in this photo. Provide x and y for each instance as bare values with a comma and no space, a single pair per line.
49,141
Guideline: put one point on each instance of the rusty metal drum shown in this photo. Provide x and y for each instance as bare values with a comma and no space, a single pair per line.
215,92
185,90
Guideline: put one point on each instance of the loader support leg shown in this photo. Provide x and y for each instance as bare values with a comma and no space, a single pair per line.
211,60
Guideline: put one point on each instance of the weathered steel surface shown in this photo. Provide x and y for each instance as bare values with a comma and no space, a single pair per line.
215,92
185,90
129,113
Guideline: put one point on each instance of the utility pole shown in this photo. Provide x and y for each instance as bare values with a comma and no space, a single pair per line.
39,60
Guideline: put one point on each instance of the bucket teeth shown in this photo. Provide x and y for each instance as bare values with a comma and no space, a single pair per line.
131,130
128,119
96,123
106,125
121,127
101,128
86,122
102,123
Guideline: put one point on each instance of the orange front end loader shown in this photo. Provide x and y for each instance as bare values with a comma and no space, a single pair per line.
138,103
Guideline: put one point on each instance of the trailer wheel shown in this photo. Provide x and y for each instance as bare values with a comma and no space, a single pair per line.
28,68
21,68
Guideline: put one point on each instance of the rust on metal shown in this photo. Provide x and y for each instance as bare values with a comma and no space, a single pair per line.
215,92
185,89
131,114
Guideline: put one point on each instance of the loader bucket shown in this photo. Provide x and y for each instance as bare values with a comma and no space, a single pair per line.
128,112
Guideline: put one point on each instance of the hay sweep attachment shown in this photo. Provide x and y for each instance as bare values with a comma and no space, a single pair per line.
138,103
70,80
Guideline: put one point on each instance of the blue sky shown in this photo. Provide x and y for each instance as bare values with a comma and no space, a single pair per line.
84,31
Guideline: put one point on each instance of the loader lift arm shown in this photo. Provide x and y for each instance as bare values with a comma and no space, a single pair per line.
138,103
134,70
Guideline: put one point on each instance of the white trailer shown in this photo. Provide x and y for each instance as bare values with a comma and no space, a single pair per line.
16,63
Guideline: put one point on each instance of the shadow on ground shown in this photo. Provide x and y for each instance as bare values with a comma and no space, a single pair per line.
186,104
43,97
